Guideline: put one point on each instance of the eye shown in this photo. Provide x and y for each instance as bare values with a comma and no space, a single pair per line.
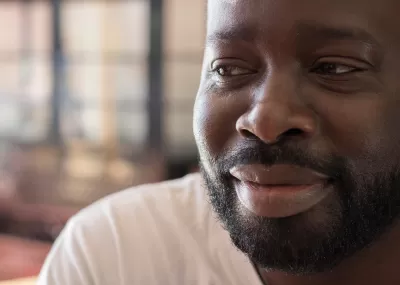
230,70
225,68
340,74
328,68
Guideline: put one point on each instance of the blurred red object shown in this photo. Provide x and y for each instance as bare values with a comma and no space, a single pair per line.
21,257
41,187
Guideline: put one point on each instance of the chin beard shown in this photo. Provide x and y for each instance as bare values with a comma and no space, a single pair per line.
365,207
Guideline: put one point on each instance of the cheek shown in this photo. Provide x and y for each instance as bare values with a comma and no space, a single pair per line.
387,141
360,128
214,124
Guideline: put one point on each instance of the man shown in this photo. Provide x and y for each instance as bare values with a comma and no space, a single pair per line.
296,122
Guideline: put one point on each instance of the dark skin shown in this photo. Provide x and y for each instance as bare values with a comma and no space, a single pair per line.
323,74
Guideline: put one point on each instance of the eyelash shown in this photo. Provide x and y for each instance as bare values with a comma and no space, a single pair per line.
243,71
319,69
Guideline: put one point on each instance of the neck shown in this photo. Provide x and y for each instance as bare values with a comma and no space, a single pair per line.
377,264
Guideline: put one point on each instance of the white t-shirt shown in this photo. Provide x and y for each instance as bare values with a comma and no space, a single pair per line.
160,234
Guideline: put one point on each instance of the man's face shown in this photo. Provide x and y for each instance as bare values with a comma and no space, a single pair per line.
296,121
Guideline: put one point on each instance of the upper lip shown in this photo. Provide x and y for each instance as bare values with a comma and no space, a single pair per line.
279,174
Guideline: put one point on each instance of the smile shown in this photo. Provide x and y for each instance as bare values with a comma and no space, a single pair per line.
279,191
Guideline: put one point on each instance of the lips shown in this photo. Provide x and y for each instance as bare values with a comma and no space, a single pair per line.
279,190
281,174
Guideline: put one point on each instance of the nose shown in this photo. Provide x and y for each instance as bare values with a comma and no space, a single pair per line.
277,112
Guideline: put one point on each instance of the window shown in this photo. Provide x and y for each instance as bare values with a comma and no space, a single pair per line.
106,48
105,65
24,69
184,32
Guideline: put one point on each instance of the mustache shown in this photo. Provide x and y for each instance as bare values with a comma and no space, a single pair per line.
257,152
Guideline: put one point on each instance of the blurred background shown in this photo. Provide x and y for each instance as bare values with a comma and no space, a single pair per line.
95,96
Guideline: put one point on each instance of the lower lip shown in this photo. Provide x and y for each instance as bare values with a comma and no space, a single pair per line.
280,201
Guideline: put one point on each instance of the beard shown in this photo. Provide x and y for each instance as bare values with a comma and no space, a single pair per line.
365,204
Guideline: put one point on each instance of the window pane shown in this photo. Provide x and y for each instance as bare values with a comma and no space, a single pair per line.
82,24
10,117
10,26
106,47
24,96
184,24
91,124
25,77
40,25
181,84
127,26
36,79
98,91
10,74
132,128
179,131
100,26
35,86
82,108
85,83
23,120
88,83
34,121
128,82
181,80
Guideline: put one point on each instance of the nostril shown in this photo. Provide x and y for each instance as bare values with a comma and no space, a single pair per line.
292,133
247,134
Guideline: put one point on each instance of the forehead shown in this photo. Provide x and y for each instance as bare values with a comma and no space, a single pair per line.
281,17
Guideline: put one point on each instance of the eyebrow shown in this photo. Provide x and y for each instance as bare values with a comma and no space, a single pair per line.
243,33
323,32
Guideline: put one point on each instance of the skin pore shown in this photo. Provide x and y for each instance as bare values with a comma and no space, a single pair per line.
312,84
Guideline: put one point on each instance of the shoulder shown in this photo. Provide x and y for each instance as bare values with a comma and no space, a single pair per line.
149,226
149,234
151,202
140,211
142,231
